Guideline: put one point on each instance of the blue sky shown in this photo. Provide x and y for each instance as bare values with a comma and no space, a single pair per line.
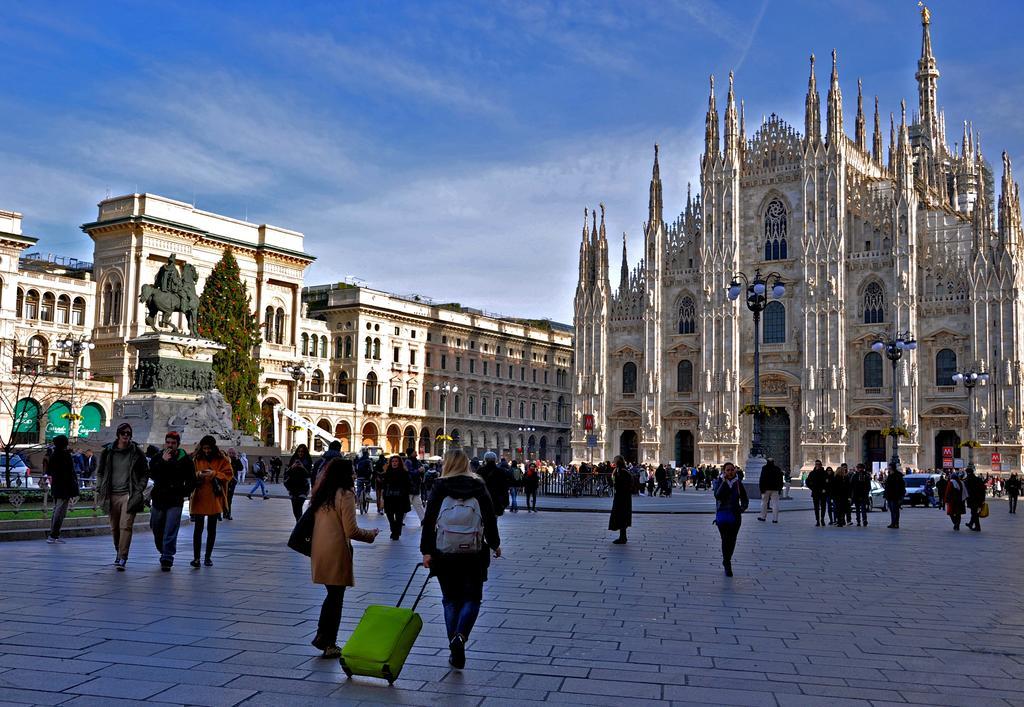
445,148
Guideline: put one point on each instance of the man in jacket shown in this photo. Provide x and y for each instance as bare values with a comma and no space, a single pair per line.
816,482
120,483
333,451
975,498
63,485
174,479
895,490
497,481
860,494
1013,491
770,486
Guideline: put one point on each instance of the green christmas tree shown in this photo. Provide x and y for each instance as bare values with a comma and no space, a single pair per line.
225,316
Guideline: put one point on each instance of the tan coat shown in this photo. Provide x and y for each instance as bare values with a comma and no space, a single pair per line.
333,533
204,502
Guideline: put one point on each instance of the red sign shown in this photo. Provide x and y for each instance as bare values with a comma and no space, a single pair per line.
588,422
947,457
996,462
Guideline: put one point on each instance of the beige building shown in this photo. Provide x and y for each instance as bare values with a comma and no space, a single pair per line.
870,244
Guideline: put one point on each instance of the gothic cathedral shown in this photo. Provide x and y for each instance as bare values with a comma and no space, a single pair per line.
868,244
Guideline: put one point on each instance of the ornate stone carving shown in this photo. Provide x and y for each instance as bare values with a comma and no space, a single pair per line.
165,375
211,414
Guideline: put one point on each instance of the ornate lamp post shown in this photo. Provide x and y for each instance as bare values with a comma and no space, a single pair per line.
527,450
757,288
894,348
444,389
297,371
969,379
74,346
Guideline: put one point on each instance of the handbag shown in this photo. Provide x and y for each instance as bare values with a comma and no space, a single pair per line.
301,539
983,511
217,488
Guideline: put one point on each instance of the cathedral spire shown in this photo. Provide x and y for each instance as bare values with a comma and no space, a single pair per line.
731,123
743,125
624,271
892,142
835,105
654,203
860,131
965,151
877,137
904,155
812,109
1009,207
711,125
927,77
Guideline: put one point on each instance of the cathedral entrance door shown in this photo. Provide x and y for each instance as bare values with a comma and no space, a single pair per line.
946,438
873,448
684,448
775,437
628,444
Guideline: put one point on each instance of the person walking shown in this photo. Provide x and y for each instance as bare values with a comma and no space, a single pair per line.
378,481
531,482
955,495
275,469
63,485
975,486
841,496
259,472
497,482
296,478
895,489
460,531
415,469
209,500
333,451
174,479
120,483
396,488
771,489
237,471
860,494
622,500
515,482
333,504
1013,486
730,503
816,481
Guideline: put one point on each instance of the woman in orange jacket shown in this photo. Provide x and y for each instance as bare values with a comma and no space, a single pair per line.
213,472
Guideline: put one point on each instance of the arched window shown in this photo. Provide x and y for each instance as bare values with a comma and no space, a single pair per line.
305,344
348,347
115,307
279,326
775,246
687,313
458,404
376,349
945,367
19,305
32,305
874,304
369,347
316,382
497,407
629,378
522,409
46,311
342,388
471,405
106,305
37,347
372,389
337,347
873,370
412,399
533,411
396,396
426,399
63,310
268,325
323,347
684,377
774,323
558,410
78,312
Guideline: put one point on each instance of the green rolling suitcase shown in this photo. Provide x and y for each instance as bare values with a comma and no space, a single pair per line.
383,638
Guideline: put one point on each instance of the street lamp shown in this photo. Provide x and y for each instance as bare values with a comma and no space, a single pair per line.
74,346
758,288
444,390
527,450
894,348
297,371
969,379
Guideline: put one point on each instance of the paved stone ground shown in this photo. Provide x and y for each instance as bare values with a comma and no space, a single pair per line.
851,616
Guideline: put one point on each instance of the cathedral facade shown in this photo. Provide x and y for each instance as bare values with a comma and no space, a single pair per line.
873,235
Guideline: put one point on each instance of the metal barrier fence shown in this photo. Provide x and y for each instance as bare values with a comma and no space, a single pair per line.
575,484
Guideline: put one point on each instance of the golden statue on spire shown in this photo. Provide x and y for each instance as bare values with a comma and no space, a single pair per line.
926,15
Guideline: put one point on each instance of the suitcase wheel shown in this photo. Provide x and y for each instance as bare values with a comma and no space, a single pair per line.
388,676
344,667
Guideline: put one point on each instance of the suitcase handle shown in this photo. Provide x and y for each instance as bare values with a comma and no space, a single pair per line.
409,584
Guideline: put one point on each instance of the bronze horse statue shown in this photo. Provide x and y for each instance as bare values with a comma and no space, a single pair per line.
165,304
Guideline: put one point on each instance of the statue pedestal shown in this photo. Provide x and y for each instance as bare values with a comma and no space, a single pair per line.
173,389
752,475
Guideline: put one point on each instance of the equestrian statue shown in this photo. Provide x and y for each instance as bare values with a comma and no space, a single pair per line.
172,292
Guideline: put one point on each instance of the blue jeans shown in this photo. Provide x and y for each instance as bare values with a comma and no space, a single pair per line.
513,493
459,616
259,485
165,523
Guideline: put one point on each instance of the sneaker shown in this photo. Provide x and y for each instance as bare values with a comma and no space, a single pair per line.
760,519
775,521
458,648
51,541
120,565
208,562
331,652
60,541
195,562
165,568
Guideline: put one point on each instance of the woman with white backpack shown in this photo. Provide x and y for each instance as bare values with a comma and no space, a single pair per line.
460,530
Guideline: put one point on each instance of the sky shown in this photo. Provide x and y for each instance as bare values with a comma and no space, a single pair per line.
446,149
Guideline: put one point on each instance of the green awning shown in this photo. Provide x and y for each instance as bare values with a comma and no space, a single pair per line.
26,416
92,420
58,420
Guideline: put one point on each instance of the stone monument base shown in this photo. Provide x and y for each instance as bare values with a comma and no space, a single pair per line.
752,475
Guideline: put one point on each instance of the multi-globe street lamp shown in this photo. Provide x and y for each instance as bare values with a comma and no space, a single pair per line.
444,390
969,379
75,347
298,372
894,347
757,288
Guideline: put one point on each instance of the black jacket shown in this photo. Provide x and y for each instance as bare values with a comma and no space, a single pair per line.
1013,486
860,486
173,481
975,490
497,482
296,479
622,502
397,489
817,481
61,470
728,500
474,566
771,478
895,487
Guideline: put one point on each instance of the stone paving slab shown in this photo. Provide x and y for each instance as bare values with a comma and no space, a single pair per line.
814,616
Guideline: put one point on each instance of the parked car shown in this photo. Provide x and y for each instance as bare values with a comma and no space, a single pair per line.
877,496
21,474
915,488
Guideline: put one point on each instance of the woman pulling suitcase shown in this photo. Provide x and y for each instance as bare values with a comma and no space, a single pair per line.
460,530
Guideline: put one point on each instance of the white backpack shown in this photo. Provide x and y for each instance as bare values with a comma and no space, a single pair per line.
460,527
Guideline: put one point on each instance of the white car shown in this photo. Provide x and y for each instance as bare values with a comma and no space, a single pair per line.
21,474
